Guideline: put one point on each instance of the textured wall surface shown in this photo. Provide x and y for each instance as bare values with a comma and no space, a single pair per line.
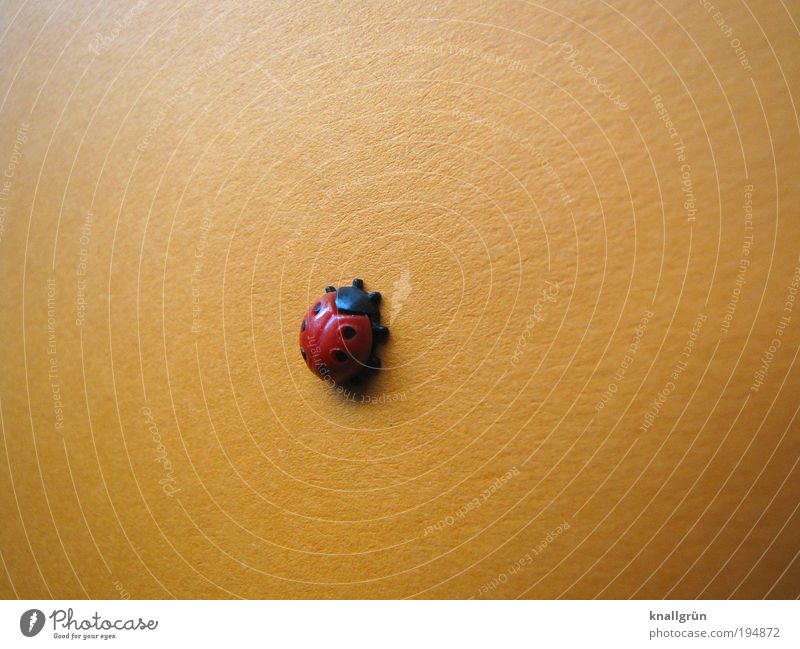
583,218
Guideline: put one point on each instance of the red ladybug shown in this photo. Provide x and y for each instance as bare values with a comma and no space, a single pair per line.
339,330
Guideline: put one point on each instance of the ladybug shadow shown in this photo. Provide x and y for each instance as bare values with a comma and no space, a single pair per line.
361,388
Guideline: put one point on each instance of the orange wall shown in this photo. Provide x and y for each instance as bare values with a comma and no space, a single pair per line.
580,298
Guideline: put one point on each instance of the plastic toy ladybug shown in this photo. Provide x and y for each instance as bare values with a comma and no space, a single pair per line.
338,332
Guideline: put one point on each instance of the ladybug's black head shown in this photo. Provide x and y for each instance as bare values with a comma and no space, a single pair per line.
354,299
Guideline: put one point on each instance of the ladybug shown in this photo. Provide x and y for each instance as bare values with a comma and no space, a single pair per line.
339,330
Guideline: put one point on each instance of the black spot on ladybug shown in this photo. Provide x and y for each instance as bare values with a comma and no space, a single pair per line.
339,355
348,332
304,325
303,354
317,307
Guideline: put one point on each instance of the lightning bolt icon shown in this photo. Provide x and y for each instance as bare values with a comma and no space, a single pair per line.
32,621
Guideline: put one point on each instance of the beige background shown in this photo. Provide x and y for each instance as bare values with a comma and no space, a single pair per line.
180,182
